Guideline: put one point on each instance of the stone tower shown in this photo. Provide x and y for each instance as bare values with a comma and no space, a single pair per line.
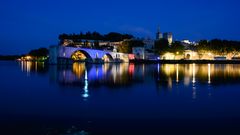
159,35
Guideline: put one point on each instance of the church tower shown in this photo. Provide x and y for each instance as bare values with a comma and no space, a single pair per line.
159,35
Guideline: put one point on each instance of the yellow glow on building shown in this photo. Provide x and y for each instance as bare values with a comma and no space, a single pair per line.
78,56
105,58
28,57
168,56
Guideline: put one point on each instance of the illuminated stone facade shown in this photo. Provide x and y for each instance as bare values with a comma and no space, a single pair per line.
62,52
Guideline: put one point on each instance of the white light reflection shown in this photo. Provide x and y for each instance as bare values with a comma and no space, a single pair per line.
209,80
194,92
28,69
36,64
143,68
158,70
170,83
97,72
114,72
209,73
177,72
85,94
194,73
22,66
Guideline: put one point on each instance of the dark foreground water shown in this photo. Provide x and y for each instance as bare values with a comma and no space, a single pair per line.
121,99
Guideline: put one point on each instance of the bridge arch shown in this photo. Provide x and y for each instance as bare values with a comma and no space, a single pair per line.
107,57
188,56
80,55
59,53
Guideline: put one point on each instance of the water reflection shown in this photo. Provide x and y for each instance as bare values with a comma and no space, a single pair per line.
110,75
200,73
127,74
209,73
132,92
85,94
28,67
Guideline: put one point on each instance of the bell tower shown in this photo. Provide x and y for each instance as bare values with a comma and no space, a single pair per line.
159,35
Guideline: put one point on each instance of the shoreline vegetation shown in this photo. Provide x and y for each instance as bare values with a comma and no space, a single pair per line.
9,57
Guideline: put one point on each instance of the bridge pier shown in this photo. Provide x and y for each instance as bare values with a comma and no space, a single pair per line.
64,61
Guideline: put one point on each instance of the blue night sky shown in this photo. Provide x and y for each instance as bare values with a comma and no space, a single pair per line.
30,24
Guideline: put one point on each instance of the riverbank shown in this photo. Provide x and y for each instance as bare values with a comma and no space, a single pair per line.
145,61
187,61
9,57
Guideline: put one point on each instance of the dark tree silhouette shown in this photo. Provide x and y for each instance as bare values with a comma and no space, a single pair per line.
112,36
177,47
127,45
41,52
217,46
161,46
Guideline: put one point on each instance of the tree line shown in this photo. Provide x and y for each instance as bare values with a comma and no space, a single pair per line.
112,36
215,46
40,52
36,54
219,47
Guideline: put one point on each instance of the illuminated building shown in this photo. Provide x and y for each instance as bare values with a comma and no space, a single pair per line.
191,55
168,56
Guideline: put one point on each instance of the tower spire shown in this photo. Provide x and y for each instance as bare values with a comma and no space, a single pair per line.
158,34
158,29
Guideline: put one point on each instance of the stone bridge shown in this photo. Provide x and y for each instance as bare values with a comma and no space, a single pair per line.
57,54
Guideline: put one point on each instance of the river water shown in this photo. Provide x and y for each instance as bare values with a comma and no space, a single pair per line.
36,98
